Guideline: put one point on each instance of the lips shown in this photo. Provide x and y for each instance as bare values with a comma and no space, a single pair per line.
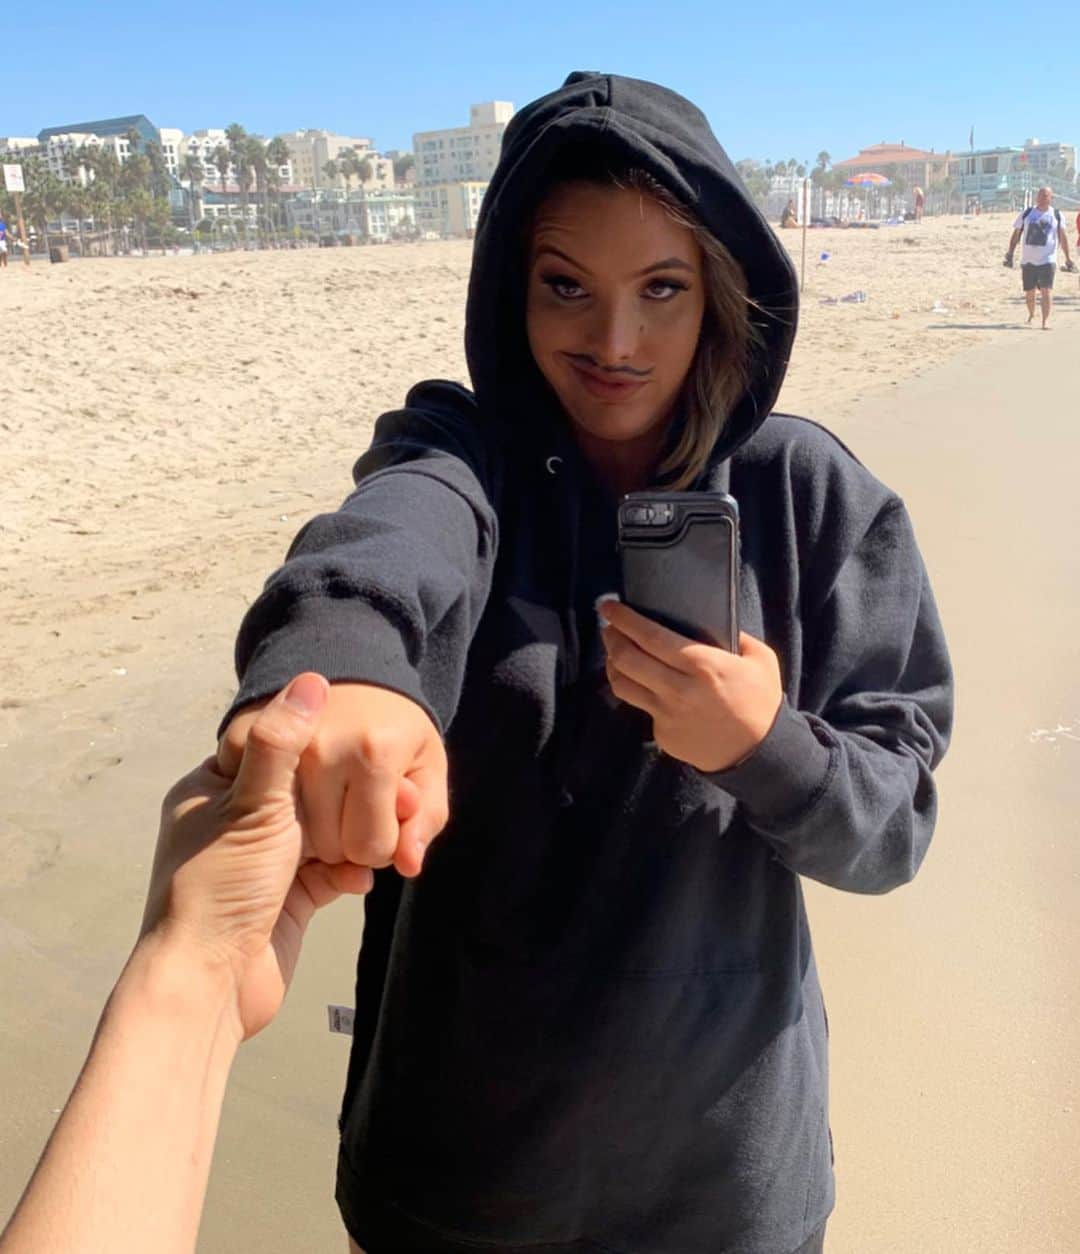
604,386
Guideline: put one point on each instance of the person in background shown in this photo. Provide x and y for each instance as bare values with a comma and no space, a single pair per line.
3,242
920,201
1043,233
231,893
593,1020
789,217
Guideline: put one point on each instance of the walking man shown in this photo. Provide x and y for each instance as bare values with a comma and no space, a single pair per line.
1043,232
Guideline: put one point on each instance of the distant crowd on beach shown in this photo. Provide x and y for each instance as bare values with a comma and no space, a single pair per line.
789,218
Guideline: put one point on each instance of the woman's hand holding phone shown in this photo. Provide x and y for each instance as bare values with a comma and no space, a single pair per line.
710,708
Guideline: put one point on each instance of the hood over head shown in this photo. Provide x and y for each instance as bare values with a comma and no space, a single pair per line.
653,129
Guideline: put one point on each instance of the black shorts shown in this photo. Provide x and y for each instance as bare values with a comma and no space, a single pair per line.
1037,276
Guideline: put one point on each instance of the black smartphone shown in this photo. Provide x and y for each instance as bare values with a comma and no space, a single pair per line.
679,562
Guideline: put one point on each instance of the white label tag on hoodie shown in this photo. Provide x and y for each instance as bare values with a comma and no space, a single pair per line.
341,1019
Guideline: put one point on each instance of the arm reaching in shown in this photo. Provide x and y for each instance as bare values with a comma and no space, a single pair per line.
231,894
383,597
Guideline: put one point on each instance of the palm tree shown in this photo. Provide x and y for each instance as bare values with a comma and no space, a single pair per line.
192,169
160,181
44,198
104,167
255,150
237,138
76,201
245,176
348,165
222,161
278,156
402,166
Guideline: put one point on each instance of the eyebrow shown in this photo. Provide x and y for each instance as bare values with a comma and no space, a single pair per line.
669,263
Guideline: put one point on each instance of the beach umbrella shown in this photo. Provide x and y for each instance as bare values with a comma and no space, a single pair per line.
868,180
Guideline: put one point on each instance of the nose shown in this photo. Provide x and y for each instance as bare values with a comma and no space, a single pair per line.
615,332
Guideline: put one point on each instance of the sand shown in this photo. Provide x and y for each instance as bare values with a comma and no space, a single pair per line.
167,425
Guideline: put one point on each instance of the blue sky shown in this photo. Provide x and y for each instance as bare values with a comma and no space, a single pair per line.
777,80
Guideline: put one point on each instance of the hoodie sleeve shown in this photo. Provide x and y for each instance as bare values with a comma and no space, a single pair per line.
389,589
845,795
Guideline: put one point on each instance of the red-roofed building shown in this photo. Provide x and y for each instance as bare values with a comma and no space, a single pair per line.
915,166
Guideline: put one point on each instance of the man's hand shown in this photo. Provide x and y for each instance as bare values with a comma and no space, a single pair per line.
229,886
372,781
710,708
1008,261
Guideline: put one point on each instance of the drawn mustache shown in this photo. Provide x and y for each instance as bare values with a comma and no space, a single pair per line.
595,365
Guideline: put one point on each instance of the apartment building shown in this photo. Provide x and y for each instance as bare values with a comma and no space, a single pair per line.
311,151
450,209
59,149
389,214
202,145
58,143
108,128
464,153
171,141
376,216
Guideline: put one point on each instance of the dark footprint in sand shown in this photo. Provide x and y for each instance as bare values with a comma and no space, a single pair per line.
103,765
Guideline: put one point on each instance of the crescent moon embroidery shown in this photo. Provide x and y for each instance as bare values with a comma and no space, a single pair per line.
552,465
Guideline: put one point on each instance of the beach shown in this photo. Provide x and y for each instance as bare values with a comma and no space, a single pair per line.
168,425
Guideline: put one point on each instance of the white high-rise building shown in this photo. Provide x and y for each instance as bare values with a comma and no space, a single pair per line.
463,154
202,145
59,153
311,151
171,141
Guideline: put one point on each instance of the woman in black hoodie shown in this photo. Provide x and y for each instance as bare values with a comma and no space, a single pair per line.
594,1022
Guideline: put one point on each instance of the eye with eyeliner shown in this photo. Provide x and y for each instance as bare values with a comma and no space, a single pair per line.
559,281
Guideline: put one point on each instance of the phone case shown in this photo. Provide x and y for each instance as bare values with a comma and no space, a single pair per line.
679,558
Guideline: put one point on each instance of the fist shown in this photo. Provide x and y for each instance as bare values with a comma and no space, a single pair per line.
373,780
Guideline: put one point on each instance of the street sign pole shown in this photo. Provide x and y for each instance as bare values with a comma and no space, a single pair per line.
13,181
22,228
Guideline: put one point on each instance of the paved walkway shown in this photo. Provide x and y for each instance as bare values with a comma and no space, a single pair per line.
955,1003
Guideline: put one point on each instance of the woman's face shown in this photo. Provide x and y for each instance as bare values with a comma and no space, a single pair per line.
616,296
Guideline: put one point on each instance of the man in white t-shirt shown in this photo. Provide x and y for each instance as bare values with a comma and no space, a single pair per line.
1043,232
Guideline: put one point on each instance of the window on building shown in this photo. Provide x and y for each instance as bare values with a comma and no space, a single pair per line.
990,165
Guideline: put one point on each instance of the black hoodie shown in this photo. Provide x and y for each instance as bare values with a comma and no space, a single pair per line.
594,1021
